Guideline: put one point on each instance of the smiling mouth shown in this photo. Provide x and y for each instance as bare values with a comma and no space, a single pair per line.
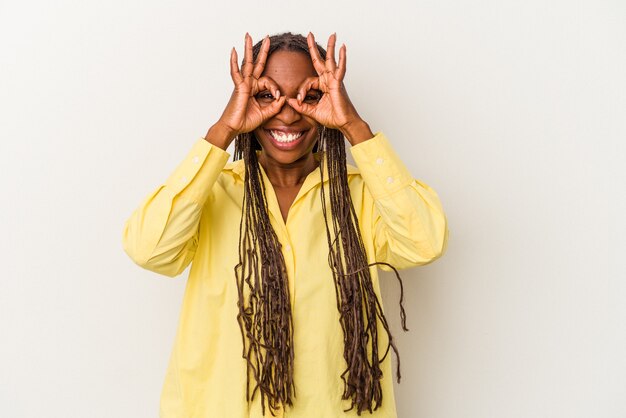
285,137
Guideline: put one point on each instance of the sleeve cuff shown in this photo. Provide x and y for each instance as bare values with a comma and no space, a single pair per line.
195,175
381,168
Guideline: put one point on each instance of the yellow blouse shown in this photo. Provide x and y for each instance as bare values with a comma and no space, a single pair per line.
194,217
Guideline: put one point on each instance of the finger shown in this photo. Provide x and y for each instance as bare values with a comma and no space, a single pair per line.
308,84
234,67
266,83
341,69
262,58
304,108
330,63
273,109
246,69
318,63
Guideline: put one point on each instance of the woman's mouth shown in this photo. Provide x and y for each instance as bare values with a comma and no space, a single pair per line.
285,140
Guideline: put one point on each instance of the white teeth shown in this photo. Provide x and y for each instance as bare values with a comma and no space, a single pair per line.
284,137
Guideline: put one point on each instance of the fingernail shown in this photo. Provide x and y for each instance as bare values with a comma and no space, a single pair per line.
277,94
299,97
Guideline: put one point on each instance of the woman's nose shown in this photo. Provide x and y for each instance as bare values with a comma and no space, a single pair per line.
288,114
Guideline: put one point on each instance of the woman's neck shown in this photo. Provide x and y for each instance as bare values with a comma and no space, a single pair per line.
288,175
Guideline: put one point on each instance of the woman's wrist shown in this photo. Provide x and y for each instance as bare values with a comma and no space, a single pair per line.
357,132
220,135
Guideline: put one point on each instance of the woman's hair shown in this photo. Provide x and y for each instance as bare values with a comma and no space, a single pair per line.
264,302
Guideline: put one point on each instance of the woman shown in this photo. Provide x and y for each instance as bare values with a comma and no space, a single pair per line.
282,313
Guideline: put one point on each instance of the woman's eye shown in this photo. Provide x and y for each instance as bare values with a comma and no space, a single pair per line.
312,98
265,96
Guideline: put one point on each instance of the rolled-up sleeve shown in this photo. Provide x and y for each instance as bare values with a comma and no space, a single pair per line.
409,226
161,234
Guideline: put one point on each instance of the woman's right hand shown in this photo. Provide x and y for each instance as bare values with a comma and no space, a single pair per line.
243,112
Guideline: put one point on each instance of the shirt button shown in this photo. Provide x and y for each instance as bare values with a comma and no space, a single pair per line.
379,161
196,159
389,180
288,247
183,179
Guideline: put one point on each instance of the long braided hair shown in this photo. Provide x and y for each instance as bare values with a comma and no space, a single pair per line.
264,303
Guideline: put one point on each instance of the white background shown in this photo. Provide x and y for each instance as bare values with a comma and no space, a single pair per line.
513,111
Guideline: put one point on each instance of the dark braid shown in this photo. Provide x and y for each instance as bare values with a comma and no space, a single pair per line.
267,318
356,298
264,305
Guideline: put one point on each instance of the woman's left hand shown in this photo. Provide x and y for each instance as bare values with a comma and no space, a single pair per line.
334,108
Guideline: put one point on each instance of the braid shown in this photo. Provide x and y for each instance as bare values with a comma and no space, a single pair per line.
267,318
356,299
264,303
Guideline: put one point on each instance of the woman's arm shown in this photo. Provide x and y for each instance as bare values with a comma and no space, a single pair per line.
161,234
409,226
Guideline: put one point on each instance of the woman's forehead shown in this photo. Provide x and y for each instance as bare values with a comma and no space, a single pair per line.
289,68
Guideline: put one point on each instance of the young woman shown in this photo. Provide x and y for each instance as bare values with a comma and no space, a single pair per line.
282,312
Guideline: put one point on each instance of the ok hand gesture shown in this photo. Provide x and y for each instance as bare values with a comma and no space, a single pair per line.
243,113
334,109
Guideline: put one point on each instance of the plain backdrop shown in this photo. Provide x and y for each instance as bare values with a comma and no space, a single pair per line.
513,111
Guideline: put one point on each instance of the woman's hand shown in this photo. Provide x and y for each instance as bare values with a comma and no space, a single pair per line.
243,113
334,108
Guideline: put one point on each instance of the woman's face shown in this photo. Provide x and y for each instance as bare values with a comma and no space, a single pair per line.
288,137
